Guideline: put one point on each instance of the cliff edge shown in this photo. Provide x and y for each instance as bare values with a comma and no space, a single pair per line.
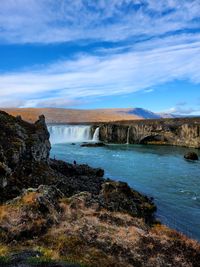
179,132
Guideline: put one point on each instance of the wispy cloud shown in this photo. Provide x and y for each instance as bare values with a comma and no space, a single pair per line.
106,75
183,108
153,42
182,111
49,21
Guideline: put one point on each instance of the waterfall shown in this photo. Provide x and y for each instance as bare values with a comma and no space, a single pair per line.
69,133
128,136
96,135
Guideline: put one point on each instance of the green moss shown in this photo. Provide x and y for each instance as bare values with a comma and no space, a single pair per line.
4,260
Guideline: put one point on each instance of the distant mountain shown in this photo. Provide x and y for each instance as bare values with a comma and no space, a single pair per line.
170,115
144,113
61,115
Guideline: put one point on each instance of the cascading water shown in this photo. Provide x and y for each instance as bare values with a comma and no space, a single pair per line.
128,136
96,135
69,133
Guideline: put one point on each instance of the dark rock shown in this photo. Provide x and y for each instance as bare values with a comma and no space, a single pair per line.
118,196
93,145
22,141
24,149
68,169
5,171
191,156
77,178
23,256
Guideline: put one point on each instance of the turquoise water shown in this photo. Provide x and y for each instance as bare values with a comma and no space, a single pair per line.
158,171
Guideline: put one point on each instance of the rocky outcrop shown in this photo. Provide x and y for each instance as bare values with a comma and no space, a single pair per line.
118,196
24,161
47,229
77,178
191,156
30,214
20,141
180,132
24,152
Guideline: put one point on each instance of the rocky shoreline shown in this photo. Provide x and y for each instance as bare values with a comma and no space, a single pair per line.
178,132
53,213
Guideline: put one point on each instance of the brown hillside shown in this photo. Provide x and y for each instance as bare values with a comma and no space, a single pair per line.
60,115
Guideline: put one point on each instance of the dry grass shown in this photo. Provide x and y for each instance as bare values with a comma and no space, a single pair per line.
100,238
4,250
29,199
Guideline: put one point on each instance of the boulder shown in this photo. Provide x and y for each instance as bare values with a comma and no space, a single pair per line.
119,197
191,156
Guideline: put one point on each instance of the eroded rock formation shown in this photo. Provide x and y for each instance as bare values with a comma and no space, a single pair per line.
180,132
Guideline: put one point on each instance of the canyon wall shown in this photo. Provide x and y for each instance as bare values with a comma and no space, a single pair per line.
179,132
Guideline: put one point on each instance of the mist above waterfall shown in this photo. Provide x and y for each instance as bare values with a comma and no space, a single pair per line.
70,133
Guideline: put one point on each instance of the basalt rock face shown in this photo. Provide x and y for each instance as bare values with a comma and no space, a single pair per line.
20,141
24,149
180,132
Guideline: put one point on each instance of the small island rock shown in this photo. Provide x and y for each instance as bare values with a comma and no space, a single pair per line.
191,156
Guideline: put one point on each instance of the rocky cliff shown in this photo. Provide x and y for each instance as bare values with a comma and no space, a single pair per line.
25,162
179,132
53,213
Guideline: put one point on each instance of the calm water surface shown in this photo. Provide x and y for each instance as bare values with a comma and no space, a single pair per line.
158,171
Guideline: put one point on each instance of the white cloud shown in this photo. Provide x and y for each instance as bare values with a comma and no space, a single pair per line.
93,76
183,111
50,21
163,45
49,102
148,90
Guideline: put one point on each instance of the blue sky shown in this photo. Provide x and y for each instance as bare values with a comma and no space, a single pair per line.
101,54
